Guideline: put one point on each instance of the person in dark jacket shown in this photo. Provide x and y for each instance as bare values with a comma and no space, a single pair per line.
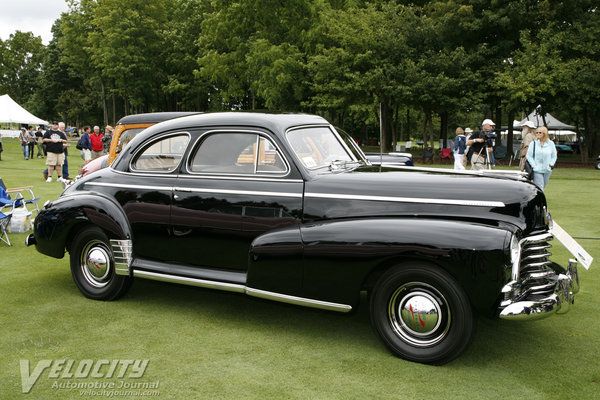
86,144
460,144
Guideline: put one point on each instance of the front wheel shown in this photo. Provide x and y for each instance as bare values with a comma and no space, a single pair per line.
93,266
421,314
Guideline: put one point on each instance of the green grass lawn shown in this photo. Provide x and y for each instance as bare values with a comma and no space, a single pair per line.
207,344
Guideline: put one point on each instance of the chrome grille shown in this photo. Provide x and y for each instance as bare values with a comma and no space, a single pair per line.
532,277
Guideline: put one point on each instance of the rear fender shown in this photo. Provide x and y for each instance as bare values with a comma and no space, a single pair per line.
57,223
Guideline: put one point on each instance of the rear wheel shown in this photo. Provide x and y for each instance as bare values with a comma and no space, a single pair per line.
93,266
421,314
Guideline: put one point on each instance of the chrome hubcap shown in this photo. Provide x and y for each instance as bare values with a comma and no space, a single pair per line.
419,314
96,263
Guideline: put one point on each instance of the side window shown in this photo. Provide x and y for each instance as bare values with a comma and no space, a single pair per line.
162,156
237,153
126,137
269,159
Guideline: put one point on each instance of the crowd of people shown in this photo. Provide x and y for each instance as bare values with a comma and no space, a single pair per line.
52,145
537,152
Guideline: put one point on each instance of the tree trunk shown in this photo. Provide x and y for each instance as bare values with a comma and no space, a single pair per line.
386,124
104,103
114,110
394,128
498,121
407,124
509,137
428,130
444,128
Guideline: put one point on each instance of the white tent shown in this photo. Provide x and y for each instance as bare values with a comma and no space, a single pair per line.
11,112
551,122
556,129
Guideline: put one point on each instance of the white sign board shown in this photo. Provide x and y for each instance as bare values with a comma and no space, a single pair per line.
571,244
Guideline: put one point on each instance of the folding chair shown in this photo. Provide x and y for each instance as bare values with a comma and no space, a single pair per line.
4,221
446,154
18,191
7,202
428,155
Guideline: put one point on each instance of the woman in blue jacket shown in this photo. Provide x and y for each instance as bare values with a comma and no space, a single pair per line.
542,157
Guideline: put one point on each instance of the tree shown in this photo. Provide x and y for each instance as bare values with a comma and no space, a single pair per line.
250,52
20,64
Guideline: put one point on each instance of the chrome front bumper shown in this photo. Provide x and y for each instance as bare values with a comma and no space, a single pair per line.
530,304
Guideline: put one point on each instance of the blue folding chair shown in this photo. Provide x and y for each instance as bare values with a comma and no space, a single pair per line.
4,221
18,192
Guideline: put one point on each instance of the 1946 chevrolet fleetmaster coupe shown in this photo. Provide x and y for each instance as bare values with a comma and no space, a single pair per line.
284,207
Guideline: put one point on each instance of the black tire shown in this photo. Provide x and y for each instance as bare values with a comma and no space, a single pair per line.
422,314
597,164
96,280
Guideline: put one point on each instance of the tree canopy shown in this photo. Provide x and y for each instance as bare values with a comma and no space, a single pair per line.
427,66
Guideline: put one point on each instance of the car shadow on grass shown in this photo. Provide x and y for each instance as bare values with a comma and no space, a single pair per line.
235,309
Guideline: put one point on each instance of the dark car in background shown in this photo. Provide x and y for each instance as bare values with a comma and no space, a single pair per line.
391,159
286,208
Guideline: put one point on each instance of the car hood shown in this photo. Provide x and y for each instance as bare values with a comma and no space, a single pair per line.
373,191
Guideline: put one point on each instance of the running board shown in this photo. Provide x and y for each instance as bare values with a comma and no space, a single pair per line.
236,288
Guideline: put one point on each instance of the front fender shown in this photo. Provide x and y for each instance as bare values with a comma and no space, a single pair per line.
55,223
340,256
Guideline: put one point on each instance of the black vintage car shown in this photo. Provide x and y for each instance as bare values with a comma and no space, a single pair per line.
283,207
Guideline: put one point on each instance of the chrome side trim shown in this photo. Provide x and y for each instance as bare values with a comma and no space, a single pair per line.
122,252
200,190
228,287
240,178
236,288
120,185
301,301
246,192
464,202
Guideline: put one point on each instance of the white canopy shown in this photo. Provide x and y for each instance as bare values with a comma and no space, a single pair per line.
11,112
552,123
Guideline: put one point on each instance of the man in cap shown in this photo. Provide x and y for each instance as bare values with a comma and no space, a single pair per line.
477,143
527,136
55,158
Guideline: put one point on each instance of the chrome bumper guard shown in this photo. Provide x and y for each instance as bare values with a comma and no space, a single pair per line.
540,294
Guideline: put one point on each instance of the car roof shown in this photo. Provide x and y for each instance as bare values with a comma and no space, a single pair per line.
153,118
276,123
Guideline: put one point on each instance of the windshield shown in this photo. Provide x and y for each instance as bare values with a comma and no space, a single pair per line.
318,147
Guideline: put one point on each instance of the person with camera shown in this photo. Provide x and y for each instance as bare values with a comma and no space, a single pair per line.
541,154
481,144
